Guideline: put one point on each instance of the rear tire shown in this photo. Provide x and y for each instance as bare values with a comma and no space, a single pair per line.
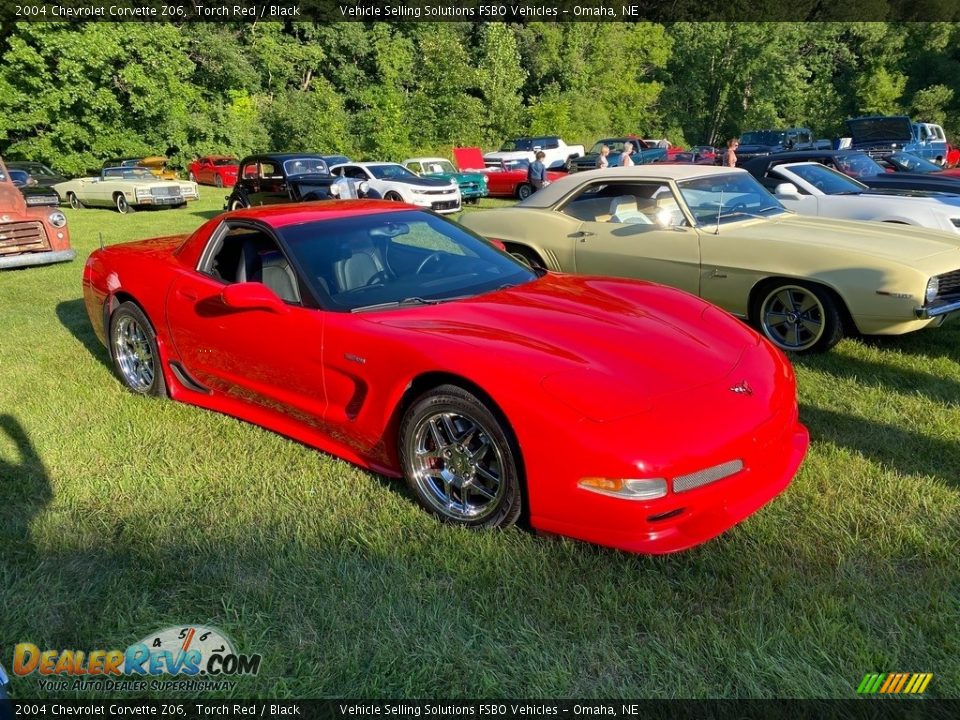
134,351
798,316
524,190
460,459
218,180
237,204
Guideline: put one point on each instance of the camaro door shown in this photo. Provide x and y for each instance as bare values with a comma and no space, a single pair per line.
265,353
635,229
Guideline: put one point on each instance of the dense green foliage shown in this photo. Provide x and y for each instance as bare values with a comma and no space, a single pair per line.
75,94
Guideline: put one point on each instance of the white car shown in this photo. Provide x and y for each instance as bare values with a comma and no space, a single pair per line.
557,152
393,181
810,188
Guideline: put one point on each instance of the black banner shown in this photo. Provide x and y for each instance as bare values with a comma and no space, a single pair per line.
513,11
866,709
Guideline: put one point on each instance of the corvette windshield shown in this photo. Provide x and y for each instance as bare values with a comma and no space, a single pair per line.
727,198
390,172
827,180
906,162
398,259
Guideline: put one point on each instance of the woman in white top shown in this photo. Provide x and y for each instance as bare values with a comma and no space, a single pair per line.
625,159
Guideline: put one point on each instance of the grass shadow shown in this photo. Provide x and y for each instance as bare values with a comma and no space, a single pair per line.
207,214
907,452
73,316
934,342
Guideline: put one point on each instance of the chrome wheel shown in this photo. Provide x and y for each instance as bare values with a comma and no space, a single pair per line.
793,317
123,207
457,467
133,353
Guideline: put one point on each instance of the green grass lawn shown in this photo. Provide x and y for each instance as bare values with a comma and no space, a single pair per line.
121,515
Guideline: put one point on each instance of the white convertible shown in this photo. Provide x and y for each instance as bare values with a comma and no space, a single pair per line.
814,189
393,181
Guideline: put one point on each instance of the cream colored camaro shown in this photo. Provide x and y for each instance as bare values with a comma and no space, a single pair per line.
717,233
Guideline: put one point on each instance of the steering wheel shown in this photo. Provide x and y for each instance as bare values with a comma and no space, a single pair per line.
435,256
739,207
378,278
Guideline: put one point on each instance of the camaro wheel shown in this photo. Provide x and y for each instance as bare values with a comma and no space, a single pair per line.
459,460
123,207
133,347
800,317
393,196
524,191
74,201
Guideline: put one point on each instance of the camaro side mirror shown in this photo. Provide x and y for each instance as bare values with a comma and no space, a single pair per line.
787,191
252,296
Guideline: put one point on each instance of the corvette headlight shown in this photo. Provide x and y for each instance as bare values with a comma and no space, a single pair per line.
57,219
627,489
933,289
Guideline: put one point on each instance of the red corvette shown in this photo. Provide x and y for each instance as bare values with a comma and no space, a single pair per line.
219,170
510,180
614,411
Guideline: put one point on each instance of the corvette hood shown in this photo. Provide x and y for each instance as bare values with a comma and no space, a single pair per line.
880,129
889,241
432,182
614,345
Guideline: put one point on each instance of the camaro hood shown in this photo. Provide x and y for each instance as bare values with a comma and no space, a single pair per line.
618,343
434,182
885,240
880,129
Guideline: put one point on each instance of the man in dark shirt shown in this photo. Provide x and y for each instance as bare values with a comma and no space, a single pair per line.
537,172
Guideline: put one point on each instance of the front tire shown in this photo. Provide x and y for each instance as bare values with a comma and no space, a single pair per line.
133,348
123,207
74,201
527,256
393,196
524,190
460,460
798,317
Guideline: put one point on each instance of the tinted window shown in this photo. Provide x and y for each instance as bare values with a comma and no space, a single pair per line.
726,198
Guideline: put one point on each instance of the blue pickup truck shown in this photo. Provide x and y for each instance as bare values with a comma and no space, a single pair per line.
642,153
880,135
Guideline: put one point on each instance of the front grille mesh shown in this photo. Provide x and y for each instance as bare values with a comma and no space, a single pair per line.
17,237
165,191
950,283
706,476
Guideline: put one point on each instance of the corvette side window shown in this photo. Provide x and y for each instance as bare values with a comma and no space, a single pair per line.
243,254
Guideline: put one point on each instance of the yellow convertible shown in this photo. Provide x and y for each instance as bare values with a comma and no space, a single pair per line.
716,232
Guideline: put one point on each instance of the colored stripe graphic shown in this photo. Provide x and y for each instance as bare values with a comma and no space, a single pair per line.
894,683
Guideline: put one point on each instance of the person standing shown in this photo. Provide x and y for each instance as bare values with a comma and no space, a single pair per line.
602,162
537,172
625,159
732,145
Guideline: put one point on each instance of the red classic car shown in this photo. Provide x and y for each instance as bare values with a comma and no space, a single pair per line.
953,156
219,170
30,234
369,329
509,180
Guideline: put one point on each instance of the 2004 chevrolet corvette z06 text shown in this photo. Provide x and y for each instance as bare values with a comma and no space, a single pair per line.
614,411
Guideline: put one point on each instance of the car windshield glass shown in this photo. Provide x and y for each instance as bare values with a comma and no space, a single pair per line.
516,164
616,146
521,144
858,165
400,258
763,137
19,177
305,166
728,197
390,172
128,173
38,169
225,161
826,180
911,163
438,166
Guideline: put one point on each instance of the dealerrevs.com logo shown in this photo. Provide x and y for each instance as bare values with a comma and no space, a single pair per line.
187,652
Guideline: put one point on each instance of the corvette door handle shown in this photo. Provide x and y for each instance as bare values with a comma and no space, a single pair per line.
186,295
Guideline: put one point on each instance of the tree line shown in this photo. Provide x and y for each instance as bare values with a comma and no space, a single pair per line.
76,94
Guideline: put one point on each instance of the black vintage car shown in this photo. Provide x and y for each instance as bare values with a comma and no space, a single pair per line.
280,177
861,166
32,191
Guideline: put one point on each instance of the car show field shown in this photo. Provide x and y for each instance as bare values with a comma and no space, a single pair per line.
151,512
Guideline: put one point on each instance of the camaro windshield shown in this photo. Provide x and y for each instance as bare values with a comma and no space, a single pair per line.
858,165
305,166
725,198
397,259
389,172
827,180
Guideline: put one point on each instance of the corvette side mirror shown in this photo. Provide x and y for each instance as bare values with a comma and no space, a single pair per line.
252,296
787,191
